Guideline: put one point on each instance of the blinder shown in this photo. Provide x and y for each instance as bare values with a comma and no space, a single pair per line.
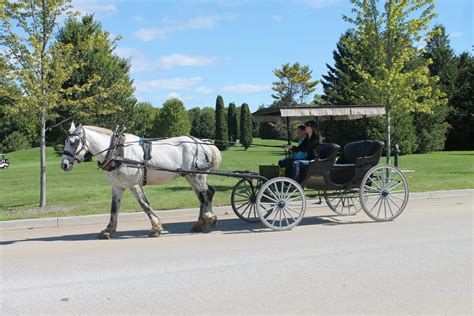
80,139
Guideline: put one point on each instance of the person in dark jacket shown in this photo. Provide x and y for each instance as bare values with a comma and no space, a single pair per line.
298,151
298,167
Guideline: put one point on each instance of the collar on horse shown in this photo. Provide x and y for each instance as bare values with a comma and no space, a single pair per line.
114,157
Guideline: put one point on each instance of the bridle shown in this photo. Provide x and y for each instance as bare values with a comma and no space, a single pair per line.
83,147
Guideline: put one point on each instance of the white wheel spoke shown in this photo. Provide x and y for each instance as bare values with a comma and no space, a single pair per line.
271,199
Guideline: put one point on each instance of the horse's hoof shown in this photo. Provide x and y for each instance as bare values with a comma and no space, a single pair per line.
213,223
105,235
197,228
154,233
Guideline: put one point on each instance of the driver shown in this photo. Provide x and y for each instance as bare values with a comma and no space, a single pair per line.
298,167
299,151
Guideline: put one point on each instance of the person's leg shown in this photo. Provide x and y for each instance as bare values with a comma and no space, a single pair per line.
298,170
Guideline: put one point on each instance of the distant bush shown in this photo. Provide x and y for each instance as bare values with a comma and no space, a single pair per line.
15,141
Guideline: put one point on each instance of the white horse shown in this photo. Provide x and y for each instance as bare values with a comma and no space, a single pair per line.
186,153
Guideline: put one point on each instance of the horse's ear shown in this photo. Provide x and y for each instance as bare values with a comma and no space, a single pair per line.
72,128
79,127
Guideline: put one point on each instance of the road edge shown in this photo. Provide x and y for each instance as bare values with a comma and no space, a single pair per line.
167,214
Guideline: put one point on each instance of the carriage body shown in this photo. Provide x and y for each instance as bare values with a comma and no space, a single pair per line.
349,183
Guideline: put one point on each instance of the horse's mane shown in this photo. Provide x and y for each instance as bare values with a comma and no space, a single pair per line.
99,129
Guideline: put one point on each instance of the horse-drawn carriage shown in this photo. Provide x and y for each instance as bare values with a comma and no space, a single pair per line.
352,182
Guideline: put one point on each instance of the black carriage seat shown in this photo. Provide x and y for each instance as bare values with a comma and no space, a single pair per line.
356,159
318,169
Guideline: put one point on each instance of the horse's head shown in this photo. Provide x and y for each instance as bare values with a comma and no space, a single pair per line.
74,148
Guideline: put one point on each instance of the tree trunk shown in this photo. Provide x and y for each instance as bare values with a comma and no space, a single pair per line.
42,202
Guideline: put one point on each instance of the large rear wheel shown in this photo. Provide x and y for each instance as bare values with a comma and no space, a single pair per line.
281,203
343,202
384,193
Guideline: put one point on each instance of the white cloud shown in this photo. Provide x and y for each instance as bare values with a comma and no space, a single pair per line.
205,90
317,4
166,84
141,62
277,18
456,34
173,95
100,7
138,18
246,88
171,26
178,60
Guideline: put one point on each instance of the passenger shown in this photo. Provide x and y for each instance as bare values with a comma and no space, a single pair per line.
298,167
299,151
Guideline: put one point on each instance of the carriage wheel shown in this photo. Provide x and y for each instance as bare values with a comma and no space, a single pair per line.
281,203
243,199
384,193
344,202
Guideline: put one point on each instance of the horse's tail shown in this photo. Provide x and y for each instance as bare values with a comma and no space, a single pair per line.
216,157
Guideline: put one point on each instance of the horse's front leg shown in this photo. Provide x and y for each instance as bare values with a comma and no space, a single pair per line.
156,227
110,230
205,194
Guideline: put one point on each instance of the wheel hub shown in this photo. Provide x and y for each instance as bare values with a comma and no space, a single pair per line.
281,204
384,193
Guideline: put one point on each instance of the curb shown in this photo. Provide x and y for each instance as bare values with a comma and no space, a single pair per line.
57,222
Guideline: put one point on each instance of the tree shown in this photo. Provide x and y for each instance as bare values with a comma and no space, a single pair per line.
294,84
222,138
142,119
109,76
232,123
173,119
431,127
340,81
386,42
461,119
204,124
40,65
245,126
10,123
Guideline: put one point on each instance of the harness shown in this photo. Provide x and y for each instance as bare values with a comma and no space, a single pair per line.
83,146
114,157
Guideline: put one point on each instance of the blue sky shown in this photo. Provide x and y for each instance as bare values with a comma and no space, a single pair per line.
197,49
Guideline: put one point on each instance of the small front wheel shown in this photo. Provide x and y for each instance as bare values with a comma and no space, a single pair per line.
281,203
384,193
243,199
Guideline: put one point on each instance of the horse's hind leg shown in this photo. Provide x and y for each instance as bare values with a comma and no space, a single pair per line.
110,230
156,227
205,194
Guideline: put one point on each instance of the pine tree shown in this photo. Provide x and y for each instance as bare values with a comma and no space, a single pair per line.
245,126
461,119
339,83
222,138
431,127
232,123
111,86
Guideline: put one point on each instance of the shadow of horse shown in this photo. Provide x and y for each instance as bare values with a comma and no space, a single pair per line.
225,226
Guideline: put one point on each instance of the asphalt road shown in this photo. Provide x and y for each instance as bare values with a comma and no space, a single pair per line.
420,263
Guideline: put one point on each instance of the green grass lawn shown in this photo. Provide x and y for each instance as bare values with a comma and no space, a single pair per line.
85,190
